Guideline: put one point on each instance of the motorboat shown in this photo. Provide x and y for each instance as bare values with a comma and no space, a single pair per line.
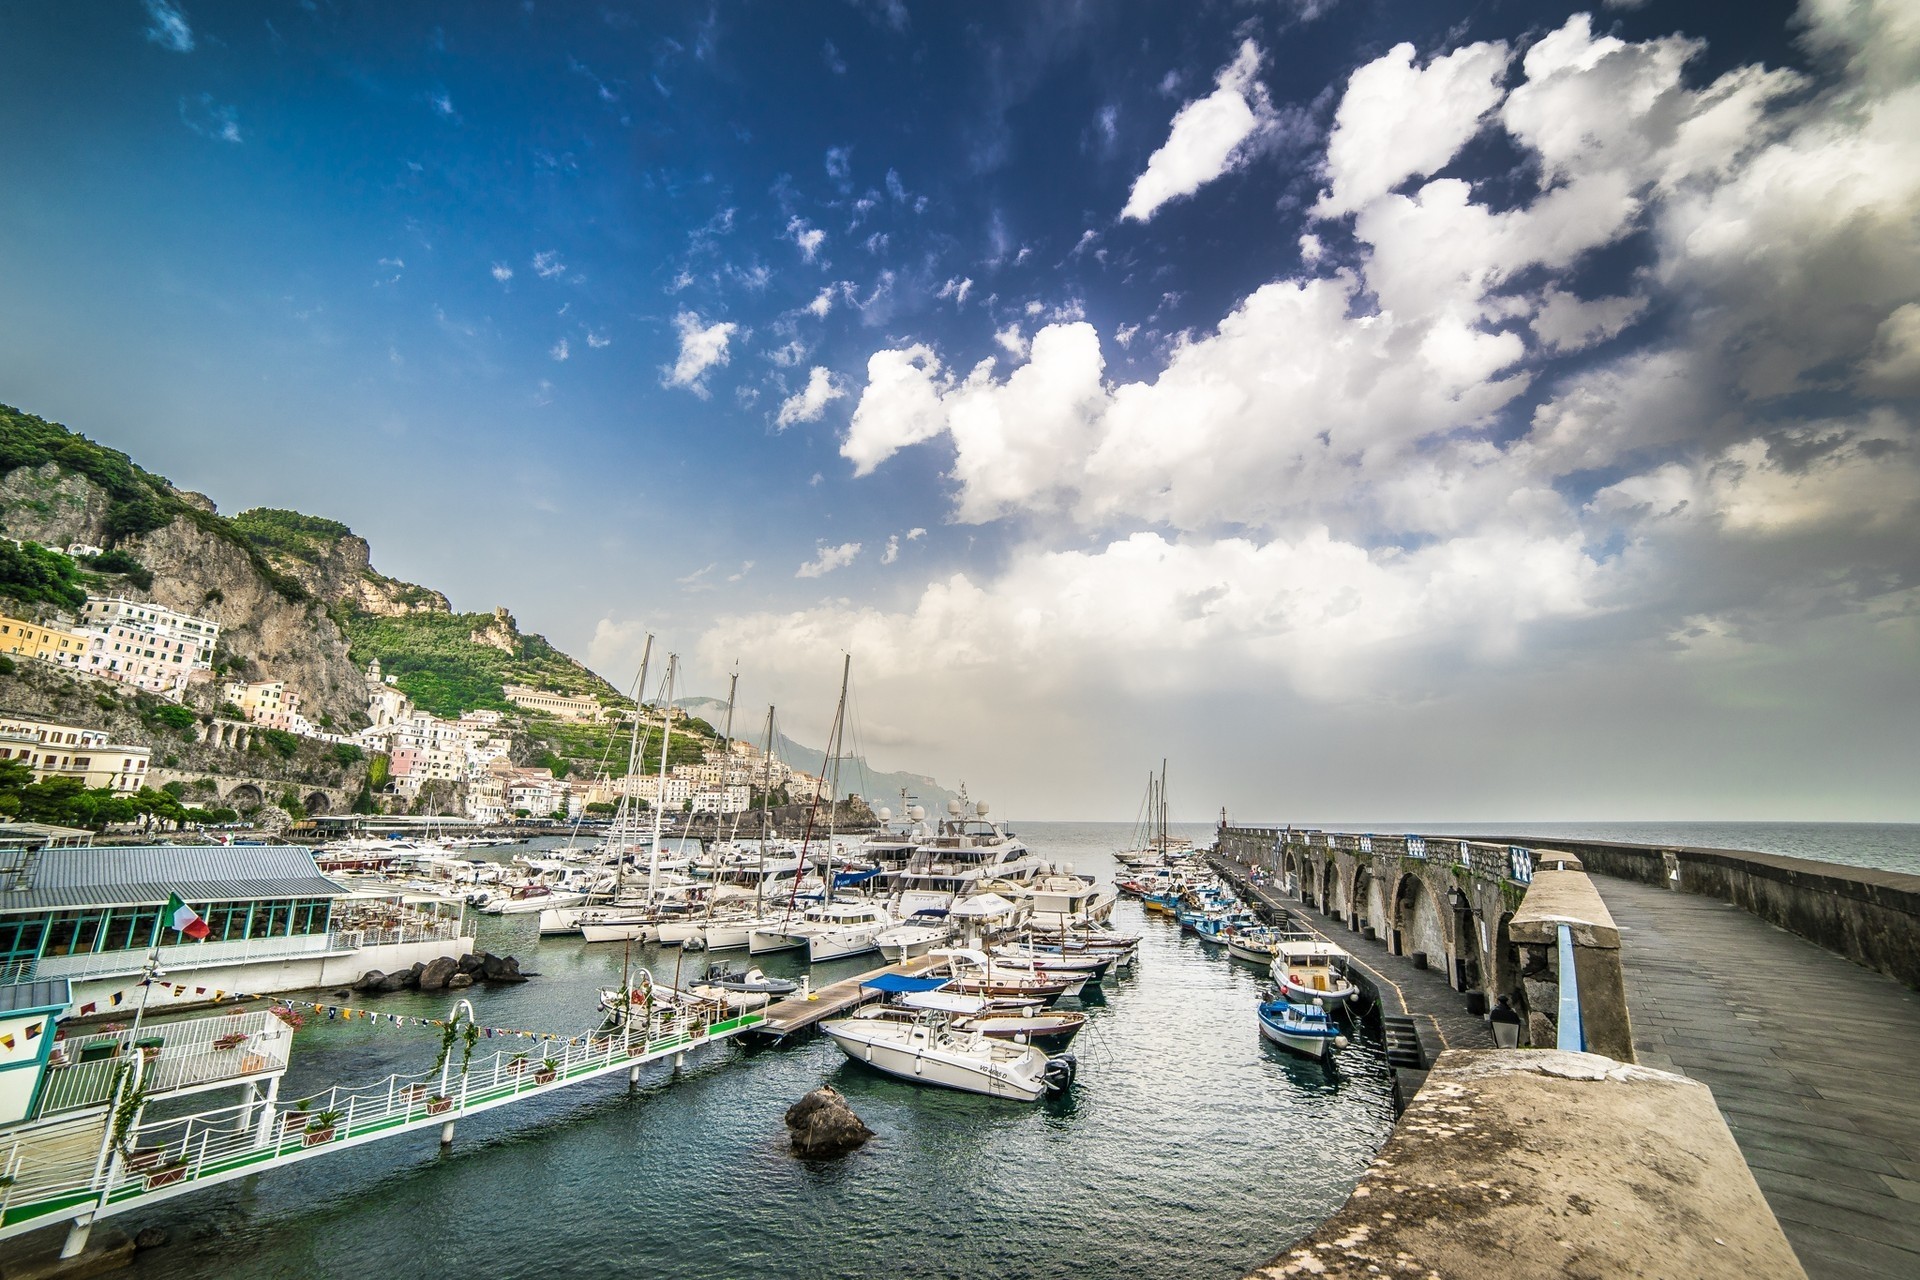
1309,969
930,1049
1090,966
741,991
1254,945
828,930
523,900
1306,1029
975,973
965,852
920,934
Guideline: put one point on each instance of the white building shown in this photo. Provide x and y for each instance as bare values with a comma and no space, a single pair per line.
721,800
145,645
67,751
554,704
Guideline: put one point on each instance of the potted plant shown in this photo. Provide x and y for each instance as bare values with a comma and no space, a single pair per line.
232,1040
172,1171
143,1157
518,1063
438,1104
149,1046
320,1128
548,1071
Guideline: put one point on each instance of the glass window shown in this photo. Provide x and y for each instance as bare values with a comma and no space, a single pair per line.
126,928
20,938
72,933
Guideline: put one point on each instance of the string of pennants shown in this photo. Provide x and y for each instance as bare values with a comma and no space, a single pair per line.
283,1006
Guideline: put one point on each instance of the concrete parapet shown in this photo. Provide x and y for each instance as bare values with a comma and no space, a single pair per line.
1525,1163
1557,898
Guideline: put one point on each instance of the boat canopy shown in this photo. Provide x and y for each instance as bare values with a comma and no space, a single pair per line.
896,983
981,904
841,879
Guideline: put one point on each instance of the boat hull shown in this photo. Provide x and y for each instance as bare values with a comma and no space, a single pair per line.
1310,1042
1023,1080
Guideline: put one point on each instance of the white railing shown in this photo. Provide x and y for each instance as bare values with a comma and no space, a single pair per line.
390,935
179,1055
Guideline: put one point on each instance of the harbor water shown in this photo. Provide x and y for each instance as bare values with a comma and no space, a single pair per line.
1187,1146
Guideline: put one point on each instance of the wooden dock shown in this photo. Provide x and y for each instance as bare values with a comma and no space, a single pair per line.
802,1012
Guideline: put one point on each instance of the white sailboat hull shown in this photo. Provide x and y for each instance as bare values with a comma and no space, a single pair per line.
762,941
620,931
525,906
839,943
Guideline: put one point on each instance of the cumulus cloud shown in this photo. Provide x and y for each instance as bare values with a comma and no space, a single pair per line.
1399,121
702,347
809,239
822,303
560,350
829,559
892,552
167,26
1210,136
811,401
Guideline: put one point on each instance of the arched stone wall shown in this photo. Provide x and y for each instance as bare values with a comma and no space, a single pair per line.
245,795
1418,924
318,803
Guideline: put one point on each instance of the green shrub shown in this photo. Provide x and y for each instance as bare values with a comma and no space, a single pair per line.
32,574
287,744
346,753
123,564
172,716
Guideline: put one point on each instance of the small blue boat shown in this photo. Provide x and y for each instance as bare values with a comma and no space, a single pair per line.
1304,1028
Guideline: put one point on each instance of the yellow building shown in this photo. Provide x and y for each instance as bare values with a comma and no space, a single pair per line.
49,644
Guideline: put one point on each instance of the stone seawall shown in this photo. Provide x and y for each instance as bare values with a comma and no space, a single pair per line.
1871,917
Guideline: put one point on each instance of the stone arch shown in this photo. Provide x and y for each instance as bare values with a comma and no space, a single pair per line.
1334,900
246,796
1469,969
1361,897
318,803
1418,924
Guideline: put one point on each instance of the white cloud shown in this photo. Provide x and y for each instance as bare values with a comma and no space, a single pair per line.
210,119
822,303
1210,136
442,105
957,290
809,239
1012,342
1567,323
892,552
840,164
812,401
916,532
1398,121
546,265
1894,364
502,272
560,350
829,559
169,27
702,347
598,340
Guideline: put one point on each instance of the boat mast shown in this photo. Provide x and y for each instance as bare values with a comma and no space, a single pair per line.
766,822
838,742
659,792
623,813
1163,808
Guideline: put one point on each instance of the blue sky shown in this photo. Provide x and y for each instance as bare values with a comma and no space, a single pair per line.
1268,384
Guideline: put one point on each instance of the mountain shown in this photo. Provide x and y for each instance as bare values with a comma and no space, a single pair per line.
856,775
296,596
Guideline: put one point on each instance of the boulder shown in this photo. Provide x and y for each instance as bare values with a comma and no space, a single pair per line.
500,969
471,962
370,980
459,982
434,976
150,1238
822,1125
394,982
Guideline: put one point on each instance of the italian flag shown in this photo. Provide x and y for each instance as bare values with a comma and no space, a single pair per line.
182,918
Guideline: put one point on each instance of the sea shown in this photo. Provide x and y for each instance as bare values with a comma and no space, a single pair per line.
1187,1145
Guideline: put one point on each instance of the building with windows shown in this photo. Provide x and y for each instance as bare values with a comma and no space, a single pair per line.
92,916
554,704
145,645
68,751
20,639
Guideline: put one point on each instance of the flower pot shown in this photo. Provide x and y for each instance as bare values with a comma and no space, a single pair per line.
414,1092
143,1157
225,1043
545,1077
314,1137
165,1176
437,1106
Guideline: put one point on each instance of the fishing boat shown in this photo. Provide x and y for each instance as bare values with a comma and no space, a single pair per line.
1304,1028
1256,945
931,1050
1308,969
1049,1029
975,973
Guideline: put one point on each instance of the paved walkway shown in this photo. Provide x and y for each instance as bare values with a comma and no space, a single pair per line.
1814,1061
1439,1012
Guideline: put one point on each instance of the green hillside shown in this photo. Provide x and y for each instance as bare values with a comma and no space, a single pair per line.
444,670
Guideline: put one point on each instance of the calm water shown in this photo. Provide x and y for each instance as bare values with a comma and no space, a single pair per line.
1187,1146
1889,846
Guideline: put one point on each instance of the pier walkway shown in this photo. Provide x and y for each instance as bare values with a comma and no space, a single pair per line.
1813,1060
1438,1012
800,1013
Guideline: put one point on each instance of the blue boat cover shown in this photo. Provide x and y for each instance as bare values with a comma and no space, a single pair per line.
844,878
900,982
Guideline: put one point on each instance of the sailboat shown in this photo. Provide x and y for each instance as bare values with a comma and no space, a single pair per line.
640,921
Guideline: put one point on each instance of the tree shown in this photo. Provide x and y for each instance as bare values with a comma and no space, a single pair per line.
602,808
686,806
287,744
379,771
345,753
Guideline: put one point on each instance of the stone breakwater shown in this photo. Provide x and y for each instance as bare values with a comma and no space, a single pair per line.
447,973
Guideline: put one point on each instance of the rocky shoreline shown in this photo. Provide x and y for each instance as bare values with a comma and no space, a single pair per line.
448,973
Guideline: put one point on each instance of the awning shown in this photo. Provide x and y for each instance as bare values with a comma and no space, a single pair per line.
895,982
843,878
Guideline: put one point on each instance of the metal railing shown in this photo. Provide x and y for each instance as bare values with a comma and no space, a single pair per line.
249,1137
179,1056
1571,1034
182,956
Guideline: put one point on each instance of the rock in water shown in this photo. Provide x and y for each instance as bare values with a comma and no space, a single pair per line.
370,980
150,1238
434,976
824,1126
459,982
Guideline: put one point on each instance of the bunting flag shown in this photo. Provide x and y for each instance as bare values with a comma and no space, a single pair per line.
34,1029
117,997
87,1008
7,1040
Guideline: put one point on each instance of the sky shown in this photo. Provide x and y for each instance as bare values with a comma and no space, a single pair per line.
1425,411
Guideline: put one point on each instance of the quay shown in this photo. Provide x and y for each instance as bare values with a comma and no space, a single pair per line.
801,1013
1674,967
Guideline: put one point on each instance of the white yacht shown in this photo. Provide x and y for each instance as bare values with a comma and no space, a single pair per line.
953,862
828,930
929,1050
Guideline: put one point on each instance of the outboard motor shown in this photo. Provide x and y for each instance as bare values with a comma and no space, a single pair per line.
1060,1072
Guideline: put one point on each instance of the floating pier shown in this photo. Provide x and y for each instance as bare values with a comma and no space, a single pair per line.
801,1013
